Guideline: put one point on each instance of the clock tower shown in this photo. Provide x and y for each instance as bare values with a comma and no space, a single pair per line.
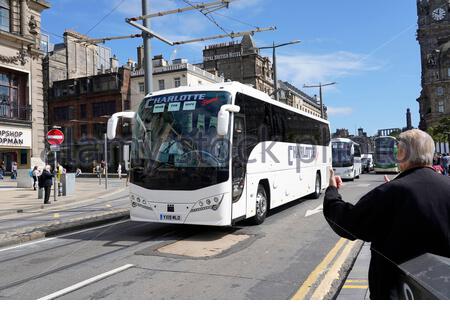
434,40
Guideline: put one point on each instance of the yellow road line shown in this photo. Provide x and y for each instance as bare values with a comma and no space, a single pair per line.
315,274
355,287
356,280
332,274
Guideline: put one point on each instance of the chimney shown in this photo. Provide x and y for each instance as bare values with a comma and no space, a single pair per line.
114,63
140,57
360,132
408,120
130,63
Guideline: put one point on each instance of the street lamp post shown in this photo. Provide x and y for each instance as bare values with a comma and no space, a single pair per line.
274,62
320,85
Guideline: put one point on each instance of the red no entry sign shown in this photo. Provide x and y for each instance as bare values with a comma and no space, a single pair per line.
55,136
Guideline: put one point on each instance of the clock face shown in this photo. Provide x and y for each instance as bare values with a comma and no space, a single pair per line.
438,14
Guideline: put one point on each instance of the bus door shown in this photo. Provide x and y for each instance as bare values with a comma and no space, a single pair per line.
238,168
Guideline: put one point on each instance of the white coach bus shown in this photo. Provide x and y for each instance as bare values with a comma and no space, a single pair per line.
346,158
221,153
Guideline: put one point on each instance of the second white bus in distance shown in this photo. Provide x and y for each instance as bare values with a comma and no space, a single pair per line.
346,158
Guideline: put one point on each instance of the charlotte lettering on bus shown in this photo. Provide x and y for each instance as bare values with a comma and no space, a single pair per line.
179,98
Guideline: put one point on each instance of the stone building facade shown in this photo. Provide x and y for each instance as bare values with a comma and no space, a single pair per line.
434,39
240,61
167,76
22,135
296,98
74,59
82,107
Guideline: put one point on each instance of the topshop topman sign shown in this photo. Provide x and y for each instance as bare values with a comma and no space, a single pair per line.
15,137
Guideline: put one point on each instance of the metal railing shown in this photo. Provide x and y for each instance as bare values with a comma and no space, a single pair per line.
15,112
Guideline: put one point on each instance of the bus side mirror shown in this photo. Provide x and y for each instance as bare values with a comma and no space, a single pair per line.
112,122
223,119
112,127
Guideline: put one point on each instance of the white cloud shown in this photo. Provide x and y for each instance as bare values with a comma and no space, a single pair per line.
339,111
310,68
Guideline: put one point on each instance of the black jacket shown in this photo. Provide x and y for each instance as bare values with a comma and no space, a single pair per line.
45,179
403,219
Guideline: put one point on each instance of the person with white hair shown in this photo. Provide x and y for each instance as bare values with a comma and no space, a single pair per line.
403,218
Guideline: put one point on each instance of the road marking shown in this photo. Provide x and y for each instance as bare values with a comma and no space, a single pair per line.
62,236
56,215
315,274
355,287
85,283
319,209
333,273
356,281
363,185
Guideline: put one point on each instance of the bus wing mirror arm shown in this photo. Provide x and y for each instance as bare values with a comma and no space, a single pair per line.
112,122
224,118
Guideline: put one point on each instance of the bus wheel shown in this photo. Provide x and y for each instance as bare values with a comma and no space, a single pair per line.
261,206
317,187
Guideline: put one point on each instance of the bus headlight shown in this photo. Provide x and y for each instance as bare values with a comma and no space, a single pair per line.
211,203
238,187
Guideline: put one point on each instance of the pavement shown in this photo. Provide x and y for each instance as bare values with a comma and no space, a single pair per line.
356,285
23,217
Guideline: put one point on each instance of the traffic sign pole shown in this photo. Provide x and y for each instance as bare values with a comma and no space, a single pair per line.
55,184
55,137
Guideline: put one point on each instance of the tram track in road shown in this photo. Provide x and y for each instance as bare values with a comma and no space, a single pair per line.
165,233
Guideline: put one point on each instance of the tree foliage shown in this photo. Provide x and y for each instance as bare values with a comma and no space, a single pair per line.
441,131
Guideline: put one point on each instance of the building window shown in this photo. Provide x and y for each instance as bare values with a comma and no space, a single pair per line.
440,91
441,106
448,72
106,108
177,82
141,87
83,130
62,114
13,96
161,84
83,111
4,16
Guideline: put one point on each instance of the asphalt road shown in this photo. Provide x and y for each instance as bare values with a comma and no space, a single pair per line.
272,264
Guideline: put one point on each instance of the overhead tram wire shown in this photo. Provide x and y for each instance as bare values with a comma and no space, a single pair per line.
206,14
234,19
105,16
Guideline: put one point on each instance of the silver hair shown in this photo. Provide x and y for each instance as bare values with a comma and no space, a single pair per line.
48,167
419,147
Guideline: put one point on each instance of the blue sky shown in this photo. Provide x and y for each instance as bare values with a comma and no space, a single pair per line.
368,47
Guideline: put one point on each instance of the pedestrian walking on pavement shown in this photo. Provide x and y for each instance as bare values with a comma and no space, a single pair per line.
403,218
119,171
35,174
445,163
2,170
14,171
46,181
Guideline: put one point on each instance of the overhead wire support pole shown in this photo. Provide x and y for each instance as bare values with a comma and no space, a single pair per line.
148,62
274,62
102,40
149,32
217,4
320,86
231,35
